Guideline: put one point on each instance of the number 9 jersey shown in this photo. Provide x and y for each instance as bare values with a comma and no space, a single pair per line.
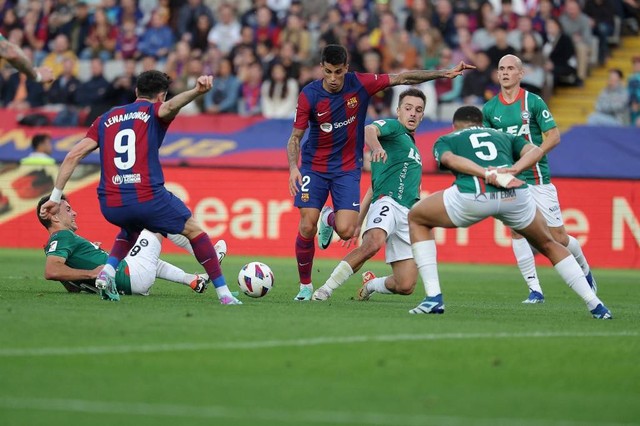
129,138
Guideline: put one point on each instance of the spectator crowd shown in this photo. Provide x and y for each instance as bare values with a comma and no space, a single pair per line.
262,52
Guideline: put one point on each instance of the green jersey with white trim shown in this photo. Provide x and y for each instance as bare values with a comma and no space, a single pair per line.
485,147
400,176
80,253
527,116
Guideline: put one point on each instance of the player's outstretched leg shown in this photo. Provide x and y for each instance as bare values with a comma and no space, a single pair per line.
563,261
574,247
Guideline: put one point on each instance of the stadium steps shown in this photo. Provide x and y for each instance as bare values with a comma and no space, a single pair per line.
572,105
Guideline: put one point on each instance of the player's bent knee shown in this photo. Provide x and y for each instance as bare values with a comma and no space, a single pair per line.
345,233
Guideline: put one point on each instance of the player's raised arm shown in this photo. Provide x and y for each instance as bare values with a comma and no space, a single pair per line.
420,76
77,153
16,57
293,153
169,109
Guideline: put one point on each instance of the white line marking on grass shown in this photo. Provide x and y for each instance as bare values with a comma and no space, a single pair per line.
268,415
317,341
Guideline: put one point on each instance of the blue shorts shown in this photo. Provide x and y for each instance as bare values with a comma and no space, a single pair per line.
344,188
165,214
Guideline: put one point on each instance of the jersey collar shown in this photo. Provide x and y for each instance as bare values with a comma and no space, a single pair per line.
519,97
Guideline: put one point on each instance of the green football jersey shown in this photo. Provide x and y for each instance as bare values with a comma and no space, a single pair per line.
80,253
485,147
400,176
527,116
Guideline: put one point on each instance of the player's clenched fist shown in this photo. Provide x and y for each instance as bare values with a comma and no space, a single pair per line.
204,83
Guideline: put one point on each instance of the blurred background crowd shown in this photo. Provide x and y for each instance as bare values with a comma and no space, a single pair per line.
262,52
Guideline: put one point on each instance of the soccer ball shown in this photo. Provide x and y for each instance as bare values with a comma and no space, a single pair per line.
255,279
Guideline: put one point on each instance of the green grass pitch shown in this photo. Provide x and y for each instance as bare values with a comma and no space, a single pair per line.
180,358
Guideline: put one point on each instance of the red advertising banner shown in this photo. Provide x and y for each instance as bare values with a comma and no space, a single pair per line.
253,211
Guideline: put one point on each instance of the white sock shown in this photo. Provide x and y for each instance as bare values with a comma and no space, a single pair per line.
223,291
576,251
424,253
108,269
377,285
170,272
571,273
526,263
339,275
309,286
181,241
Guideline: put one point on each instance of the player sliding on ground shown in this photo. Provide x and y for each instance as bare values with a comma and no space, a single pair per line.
396,173
76,262
131,192
478,193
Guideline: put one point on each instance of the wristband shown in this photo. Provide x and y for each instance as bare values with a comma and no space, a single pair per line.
38,77
56,195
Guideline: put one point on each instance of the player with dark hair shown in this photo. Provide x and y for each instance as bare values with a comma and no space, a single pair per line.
76,262
16,57
473,153
131,191
41,150
515,110
335,108
395,188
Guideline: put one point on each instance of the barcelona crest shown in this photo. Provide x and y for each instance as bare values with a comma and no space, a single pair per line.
352,102
305,197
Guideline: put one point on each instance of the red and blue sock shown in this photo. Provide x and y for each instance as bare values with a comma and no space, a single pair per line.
305,250
122,245
206,255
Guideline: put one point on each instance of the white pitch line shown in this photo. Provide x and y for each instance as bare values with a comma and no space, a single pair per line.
316,341
269,415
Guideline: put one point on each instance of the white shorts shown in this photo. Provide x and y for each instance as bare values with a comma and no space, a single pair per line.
546,198
515,207
143,262
386,214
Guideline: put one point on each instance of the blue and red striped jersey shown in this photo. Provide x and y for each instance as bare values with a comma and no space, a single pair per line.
129,138
336,121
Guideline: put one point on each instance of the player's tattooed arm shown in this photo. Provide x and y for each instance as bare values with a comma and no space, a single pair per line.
17,58
420,76
293,153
